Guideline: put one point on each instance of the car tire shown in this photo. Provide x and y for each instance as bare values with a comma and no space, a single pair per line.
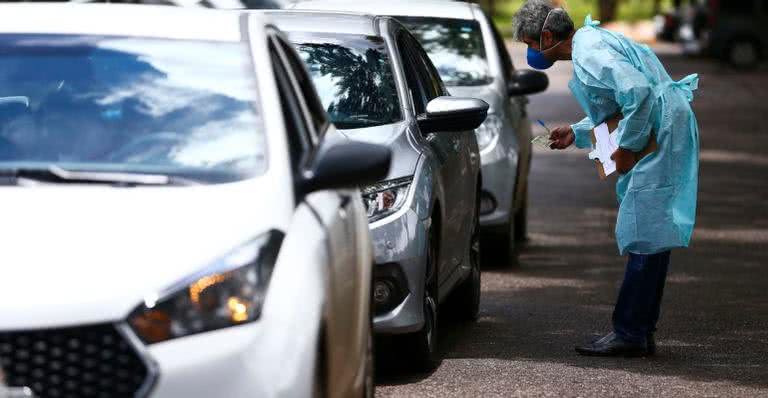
466,298
502,244
743,53
521,219
369,385
421,347
319,382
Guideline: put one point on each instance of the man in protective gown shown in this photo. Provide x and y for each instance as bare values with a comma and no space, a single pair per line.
613,78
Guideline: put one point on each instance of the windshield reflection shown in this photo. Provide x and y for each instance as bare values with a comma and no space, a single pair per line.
455,46
131,105
353,78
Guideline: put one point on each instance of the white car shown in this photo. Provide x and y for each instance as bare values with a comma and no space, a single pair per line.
176,222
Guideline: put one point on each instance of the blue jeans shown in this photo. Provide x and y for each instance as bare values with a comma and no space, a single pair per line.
639,303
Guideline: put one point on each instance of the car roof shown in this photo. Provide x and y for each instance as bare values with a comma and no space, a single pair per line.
324,22
122,20
405,8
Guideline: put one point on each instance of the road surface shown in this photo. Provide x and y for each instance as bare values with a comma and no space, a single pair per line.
713,334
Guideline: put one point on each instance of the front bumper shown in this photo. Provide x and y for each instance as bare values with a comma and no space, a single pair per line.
499,170
402,242
234,362
107,359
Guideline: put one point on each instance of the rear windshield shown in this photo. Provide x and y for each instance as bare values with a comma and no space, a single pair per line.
93,103
353,77
455,46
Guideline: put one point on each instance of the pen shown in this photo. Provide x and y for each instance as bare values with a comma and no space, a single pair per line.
544,125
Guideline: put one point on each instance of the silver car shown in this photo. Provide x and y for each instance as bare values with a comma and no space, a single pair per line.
379,86
469,53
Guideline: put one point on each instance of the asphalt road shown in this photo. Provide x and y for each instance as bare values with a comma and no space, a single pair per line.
713,335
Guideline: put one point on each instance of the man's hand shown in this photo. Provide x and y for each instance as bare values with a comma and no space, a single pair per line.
561,137
625,160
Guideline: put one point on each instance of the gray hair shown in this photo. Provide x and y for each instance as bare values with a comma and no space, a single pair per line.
529,20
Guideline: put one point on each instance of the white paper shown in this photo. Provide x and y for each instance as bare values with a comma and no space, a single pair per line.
605,146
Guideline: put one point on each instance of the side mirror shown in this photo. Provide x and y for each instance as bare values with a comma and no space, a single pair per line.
527,81
452,114
346,165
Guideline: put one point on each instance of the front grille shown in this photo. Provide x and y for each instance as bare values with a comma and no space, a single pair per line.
83,362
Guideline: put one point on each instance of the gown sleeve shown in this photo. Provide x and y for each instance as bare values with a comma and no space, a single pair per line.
606,68
582,130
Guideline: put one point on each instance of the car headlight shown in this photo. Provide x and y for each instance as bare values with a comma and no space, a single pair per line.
229,292
385,198
488,132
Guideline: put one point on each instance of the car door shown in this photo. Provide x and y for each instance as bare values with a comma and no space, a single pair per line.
346,308
447,147
467,163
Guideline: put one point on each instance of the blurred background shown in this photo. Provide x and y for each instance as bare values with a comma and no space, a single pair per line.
724,30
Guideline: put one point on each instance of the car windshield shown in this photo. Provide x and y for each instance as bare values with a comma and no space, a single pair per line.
455,46
130,105
353,77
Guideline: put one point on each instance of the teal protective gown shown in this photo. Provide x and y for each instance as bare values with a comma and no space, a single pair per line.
657,199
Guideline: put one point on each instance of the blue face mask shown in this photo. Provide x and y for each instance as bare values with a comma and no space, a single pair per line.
537,60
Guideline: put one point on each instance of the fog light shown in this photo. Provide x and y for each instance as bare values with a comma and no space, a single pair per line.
390,288
487,203
382,292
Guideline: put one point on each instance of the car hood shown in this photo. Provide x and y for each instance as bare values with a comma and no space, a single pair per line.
405,154
85,254
488,93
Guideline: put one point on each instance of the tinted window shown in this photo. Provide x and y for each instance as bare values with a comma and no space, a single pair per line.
416,87
455,46
353,77
430,77
296,128
130,105
316,112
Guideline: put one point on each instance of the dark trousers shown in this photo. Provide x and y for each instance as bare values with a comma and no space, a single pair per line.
639,303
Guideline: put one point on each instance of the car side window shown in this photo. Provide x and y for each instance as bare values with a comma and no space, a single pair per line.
299,143
429,74
414,82
283,52
317,114
506,61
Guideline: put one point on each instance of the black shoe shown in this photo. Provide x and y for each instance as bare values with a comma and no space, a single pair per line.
650,341
612,345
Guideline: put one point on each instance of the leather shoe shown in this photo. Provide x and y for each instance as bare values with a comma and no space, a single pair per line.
612,345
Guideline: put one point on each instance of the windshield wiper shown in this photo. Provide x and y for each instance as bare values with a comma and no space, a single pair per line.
57,174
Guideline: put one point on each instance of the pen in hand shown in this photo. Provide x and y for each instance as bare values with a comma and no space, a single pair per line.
543,141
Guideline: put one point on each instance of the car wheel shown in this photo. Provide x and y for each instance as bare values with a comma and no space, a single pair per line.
743,54
422,345
319,382
466,299
502,244
521,219
369,386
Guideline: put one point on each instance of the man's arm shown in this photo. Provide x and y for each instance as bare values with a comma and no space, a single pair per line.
582,131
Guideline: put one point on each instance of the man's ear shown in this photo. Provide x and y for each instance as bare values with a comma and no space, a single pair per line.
547,40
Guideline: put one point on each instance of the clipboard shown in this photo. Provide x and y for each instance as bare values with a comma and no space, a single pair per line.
613,124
